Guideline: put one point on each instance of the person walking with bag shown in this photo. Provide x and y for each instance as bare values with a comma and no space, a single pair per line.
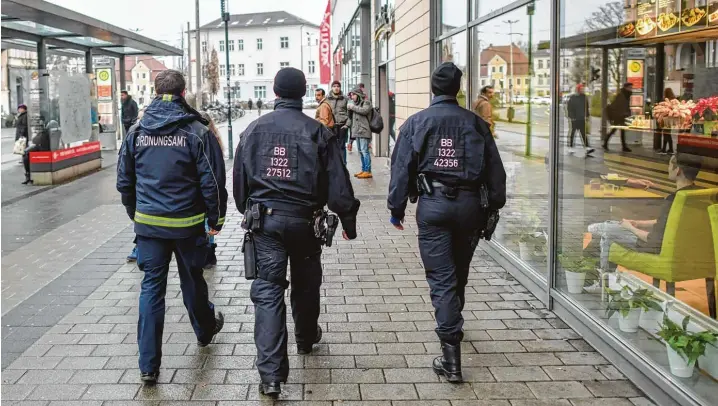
359,116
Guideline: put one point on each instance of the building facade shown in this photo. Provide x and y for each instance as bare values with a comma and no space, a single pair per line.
140,74
565,210
259,45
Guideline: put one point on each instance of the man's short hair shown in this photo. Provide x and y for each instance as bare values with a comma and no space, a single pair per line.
124,92
486,89
171,82
689,165
361,85
337,83
321,90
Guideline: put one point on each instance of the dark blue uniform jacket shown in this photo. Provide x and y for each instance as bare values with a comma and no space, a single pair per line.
450,145
171,172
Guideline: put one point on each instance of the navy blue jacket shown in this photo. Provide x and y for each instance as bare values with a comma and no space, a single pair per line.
171,172
287,160
448,144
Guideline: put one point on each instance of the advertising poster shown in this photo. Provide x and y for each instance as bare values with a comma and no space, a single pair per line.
693,14
325,49
104,84
669,15
646,19
628,28
75,108
635,73
713,13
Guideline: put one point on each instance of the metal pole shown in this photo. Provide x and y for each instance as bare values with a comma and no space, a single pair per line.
88,61
189,60
554,130
225,17
511,60
604,93
301,48
198,94
530,12
123,77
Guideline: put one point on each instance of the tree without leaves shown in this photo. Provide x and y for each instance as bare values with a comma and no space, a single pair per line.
213,73
610,15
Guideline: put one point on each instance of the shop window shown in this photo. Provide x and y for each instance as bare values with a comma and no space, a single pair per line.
640,232
453,14
480,8
453,49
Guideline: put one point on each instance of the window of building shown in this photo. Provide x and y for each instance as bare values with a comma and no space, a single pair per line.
230,45
501,69
144,76
518,81
260,92
152,90
221,46
284,42
240,69
540,80
493,69
204,46
259,44
283,65
222,70
232,72
240,45
260,69
312,68
540,63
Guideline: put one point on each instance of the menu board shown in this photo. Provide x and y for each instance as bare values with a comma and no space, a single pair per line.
646,18
651,18
668,16
712,13
693,14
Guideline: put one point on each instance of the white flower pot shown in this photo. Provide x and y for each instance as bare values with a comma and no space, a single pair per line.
629,324
651,321
526,251
575,281
709,361
679,365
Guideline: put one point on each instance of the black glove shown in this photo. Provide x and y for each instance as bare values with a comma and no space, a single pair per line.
349,224
130,212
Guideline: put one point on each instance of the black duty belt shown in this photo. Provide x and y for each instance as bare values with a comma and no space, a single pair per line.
289,211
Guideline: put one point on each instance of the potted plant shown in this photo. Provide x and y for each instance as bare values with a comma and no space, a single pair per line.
575,269
706,110
684,347
527,234
709,361
629,304
651,318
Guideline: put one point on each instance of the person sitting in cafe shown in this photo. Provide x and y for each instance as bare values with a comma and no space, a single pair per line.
644,235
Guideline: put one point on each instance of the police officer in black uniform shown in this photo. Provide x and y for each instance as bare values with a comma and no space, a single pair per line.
461,179
287,167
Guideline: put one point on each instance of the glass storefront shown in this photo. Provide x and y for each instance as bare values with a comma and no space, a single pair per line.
624,237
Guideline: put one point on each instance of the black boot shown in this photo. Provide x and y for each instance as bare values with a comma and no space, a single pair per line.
27,179
449,364
307,349
271,389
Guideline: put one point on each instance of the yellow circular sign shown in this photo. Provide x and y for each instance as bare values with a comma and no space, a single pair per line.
635,67
104,75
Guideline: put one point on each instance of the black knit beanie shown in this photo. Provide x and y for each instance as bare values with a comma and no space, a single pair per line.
290,83
446,80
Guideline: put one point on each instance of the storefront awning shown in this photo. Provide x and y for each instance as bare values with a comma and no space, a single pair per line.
63,29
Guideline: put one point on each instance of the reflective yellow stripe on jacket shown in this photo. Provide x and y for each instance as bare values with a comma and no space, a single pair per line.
168,221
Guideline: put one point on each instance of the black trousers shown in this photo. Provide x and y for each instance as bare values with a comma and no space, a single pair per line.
580,126
26,157
610,134
284,240
667,141
448,237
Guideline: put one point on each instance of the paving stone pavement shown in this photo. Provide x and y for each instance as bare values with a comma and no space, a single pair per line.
376,350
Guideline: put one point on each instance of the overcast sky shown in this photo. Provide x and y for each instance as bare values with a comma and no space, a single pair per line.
162,19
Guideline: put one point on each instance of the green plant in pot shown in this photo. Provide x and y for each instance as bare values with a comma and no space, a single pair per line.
575,268
684,347
629,304
526,232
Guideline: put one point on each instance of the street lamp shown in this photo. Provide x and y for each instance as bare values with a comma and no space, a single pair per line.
225,18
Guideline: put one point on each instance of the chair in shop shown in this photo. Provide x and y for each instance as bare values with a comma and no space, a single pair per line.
713,214
687,251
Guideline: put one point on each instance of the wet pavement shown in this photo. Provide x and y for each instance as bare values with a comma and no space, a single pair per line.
72,341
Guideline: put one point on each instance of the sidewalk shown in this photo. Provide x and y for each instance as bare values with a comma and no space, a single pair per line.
377,347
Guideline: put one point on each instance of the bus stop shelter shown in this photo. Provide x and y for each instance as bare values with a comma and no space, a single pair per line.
42,26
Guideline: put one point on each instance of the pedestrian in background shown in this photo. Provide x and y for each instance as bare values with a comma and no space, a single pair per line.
40,142
483,108
211,261
454,152
667,137
21,129
359,116
171,176
351,136
618,112
287,167
578,115
324,112
250,104
338,103
129,110
259,107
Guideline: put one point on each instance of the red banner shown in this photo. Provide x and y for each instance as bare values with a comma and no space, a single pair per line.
325,46
63,154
